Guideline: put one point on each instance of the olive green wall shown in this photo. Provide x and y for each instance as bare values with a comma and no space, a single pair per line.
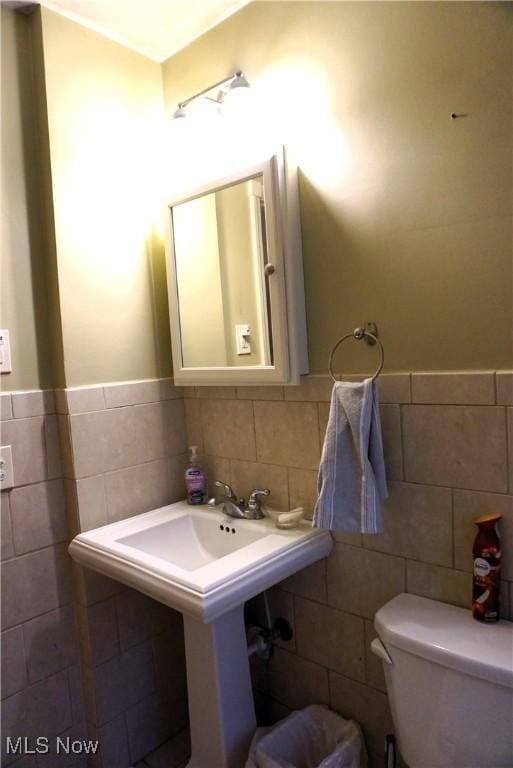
199,276
238,242
28,275
104,106
83,272
406,214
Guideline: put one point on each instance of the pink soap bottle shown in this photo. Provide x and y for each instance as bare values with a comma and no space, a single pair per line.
195,480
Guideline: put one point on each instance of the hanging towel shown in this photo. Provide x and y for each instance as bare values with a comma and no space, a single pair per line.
352,481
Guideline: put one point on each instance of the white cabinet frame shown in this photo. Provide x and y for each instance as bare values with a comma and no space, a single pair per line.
286,285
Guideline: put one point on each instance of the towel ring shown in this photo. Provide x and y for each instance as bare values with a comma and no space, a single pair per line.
359,334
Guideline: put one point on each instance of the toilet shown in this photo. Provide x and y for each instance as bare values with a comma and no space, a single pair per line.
450,684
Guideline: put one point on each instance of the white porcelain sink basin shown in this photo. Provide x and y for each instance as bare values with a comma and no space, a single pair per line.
196,559
206,565
191,541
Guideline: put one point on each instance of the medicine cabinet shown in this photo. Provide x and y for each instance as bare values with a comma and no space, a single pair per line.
235,278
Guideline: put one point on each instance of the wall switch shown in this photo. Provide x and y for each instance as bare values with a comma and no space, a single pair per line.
242,339
5,352
6,468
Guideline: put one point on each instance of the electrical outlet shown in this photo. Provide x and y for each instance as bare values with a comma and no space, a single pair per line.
5,352
6,468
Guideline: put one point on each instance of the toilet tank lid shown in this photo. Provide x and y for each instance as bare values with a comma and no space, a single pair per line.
448,636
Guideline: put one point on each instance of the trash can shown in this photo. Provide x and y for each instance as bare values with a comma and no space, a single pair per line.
314,737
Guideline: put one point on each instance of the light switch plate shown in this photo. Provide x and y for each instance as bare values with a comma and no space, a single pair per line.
5,352
6,468
242,335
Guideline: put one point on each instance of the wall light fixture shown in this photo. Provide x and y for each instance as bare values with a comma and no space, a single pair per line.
233,82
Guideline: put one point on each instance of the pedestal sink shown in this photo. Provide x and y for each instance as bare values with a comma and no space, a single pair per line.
206,565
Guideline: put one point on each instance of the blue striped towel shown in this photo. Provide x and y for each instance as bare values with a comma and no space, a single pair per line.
352,481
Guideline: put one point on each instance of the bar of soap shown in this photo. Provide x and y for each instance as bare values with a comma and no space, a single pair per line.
290,519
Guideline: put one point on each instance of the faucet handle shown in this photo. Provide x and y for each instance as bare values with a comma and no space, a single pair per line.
254,501
228,490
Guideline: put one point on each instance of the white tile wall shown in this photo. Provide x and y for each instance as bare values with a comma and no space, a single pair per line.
448,440
448,460
121,449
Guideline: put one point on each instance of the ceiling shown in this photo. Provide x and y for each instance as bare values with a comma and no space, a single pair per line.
156,28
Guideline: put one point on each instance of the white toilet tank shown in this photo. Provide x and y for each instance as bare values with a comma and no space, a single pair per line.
450,684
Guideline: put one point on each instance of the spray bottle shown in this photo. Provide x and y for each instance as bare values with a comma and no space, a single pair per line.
487,569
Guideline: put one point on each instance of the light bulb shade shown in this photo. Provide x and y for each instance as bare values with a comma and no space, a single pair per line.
237,103
180,112
239,81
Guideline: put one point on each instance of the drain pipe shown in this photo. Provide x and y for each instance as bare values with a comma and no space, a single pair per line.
262,639
260,645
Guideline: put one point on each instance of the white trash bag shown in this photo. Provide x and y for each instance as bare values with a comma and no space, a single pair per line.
314,737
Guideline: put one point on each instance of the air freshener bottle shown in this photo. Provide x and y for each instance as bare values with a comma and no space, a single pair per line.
487,569
195,480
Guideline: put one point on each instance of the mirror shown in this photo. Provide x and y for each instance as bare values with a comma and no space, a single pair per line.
220,251
235,280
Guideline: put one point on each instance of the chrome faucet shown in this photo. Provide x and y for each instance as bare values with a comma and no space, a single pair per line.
253,510
235,507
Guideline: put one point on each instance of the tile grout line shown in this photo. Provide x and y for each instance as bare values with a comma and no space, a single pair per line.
453,531
509,444
288,487
253,414
402,443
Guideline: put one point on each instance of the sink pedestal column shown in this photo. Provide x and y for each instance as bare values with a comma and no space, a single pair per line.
221,708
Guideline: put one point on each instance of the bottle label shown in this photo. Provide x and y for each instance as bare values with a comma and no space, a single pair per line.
195,484
486,590
481,567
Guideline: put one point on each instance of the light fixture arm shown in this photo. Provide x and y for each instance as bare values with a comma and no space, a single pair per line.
182,104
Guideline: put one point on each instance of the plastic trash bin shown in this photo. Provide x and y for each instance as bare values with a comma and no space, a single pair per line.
314,737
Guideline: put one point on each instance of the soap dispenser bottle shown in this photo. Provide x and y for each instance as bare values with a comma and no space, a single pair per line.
195,480
487,569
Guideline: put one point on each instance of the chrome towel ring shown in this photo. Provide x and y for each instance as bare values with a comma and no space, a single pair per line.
370,336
